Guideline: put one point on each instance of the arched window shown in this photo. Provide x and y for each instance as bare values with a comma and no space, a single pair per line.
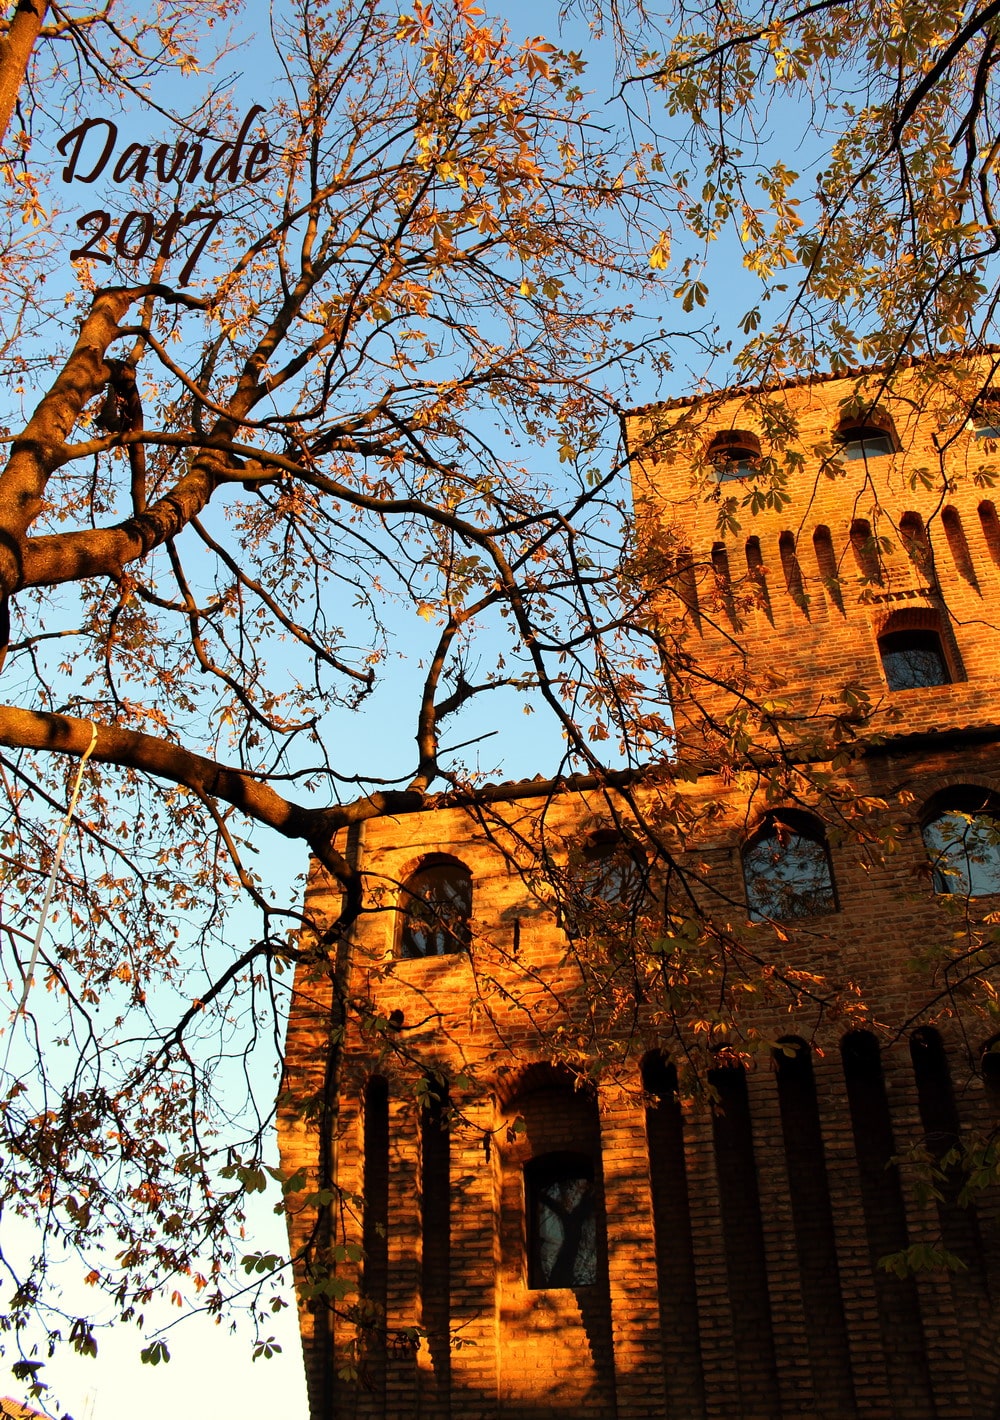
865,434
911,649
734,453
786,867
436,903
607,882
562,1224
962,837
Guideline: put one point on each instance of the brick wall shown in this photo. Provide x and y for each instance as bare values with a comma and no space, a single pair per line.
737,1228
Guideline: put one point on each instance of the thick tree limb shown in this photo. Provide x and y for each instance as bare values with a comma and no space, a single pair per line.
15,54
40,449
33,729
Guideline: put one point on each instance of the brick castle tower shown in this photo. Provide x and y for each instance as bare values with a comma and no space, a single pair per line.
514,1236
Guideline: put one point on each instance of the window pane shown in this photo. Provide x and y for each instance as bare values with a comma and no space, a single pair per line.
965,851
728,470
913,658
865,446
562,1223
438,904
787,875
606,885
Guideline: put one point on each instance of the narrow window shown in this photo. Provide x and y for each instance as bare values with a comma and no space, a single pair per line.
686,583
826,563
435,1229
962,837
562,1226
734,454
786,868
792,570
724,582
896,1298
758,576
743,1240
942,1139
812,1223
912,652
991,529
913,536
437,904
677,1290
959,546
865,550
375,1224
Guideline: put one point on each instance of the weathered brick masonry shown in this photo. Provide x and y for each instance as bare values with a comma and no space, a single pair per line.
729,1258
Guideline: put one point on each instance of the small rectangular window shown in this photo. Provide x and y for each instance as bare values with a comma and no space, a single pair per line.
562,1226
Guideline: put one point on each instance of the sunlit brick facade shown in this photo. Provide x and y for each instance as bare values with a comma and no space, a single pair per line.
728,1261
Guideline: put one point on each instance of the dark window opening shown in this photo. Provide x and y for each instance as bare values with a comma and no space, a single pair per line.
865,433
562,1223
913,535
867,553
958,545
962,839
991,529
786,868
734,454
437,905
607,882
911,659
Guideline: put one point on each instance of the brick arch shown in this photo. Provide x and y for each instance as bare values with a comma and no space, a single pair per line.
923,617
934,787
789,814
425,859
939,799
511,1086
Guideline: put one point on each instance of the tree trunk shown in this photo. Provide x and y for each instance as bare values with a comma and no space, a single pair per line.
15,51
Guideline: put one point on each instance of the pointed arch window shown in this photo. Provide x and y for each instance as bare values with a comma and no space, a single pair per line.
436,906
962,837
786,868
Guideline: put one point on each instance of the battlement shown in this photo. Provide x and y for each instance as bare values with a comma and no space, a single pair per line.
841,534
